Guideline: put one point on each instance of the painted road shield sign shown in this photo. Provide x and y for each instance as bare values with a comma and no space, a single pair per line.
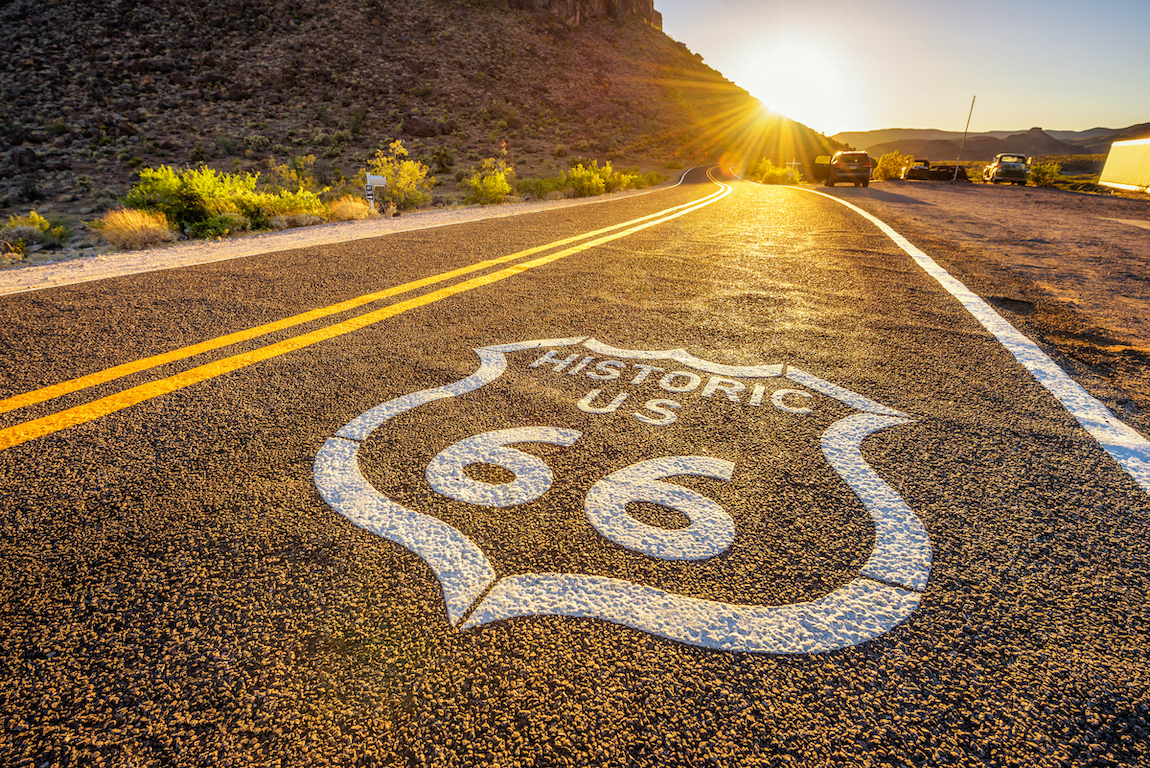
723,506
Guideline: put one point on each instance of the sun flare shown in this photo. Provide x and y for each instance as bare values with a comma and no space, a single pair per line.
807,82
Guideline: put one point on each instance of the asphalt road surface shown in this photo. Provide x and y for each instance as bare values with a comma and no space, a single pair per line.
715,476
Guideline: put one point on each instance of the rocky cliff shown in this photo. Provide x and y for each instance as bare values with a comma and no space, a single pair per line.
575,12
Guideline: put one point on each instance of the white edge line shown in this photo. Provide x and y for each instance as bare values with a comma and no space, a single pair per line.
1130,449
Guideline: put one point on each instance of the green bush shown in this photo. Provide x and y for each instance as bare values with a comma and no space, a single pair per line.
890,165
207,203
489,183
1046,174
586,181
443,159
34,229
541,187
296,174
407,182
220,225
769,173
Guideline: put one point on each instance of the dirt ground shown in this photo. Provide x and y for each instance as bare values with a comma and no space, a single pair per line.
1070,270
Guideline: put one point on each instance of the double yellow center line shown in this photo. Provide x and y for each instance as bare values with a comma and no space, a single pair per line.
30,430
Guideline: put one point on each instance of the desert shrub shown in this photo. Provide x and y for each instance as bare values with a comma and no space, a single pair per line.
34,229
585,181
1045,174
541,187
489,183
129,229
769,173
282,203
407,182
588,179
348,208
220,225
443,159
649,179
890,165
345,186
12,251
205,202
296,174
257,142
29,190
190,196
617,180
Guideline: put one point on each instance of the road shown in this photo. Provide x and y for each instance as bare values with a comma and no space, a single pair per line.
719,475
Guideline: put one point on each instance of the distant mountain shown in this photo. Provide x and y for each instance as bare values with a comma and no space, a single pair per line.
944,145
868,139
1100,143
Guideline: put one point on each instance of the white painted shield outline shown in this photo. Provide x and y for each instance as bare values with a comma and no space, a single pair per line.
886,592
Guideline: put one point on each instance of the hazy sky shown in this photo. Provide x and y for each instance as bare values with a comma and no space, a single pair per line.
856,65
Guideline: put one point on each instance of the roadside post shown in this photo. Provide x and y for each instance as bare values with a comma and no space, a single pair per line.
963,144
369,190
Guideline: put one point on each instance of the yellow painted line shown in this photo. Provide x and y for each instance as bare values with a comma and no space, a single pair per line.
30,430
119,371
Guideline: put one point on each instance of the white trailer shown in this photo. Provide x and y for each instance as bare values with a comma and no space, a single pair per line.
1127,166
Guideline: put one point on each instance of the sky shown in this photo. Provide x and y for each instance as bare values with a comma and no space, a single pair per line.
859,65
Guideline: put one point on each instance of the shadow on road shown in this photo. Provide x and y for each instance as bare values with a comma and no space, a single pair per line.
875,194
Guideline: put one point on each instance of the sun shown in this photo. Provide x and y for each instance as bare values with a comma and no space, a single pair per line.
805,81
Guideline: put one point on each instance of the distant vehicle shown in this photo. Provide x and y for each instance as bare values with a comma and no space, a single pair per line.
848,165
944,172
916,169
1008,167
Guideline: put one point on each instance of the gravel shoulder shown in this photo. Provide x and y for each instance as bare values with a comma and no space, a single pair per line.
1070,270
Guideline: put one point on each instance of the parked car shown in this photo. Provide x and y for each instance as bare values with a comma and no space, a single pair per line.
1009,167
916,169
944,172
848,165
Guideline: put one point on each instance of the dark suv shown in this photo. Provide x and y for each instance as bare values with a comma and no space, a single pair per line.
848,166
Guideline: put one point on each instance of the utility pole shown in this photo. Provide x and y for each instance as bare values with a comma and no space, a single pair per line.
963,144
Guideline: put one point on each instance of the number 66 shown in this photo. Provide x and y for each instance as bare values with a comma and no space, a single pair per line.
711,530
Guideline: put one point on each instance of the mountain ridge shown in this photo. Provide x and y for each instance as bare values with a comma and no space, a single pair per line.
919,142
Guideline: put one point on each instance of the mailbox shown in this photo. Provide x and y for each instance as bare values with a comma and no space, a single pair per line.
372,183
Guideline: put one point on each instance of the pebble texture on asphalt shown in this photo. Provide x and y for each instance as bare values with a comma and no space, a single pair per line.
175,591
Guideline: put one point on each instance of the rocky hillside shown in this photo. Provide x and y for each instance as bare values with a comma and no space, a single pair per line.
94,91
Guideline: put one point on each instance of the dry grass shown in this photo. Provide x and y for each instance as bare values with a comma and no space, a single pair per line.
348,208
130,229
293,220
